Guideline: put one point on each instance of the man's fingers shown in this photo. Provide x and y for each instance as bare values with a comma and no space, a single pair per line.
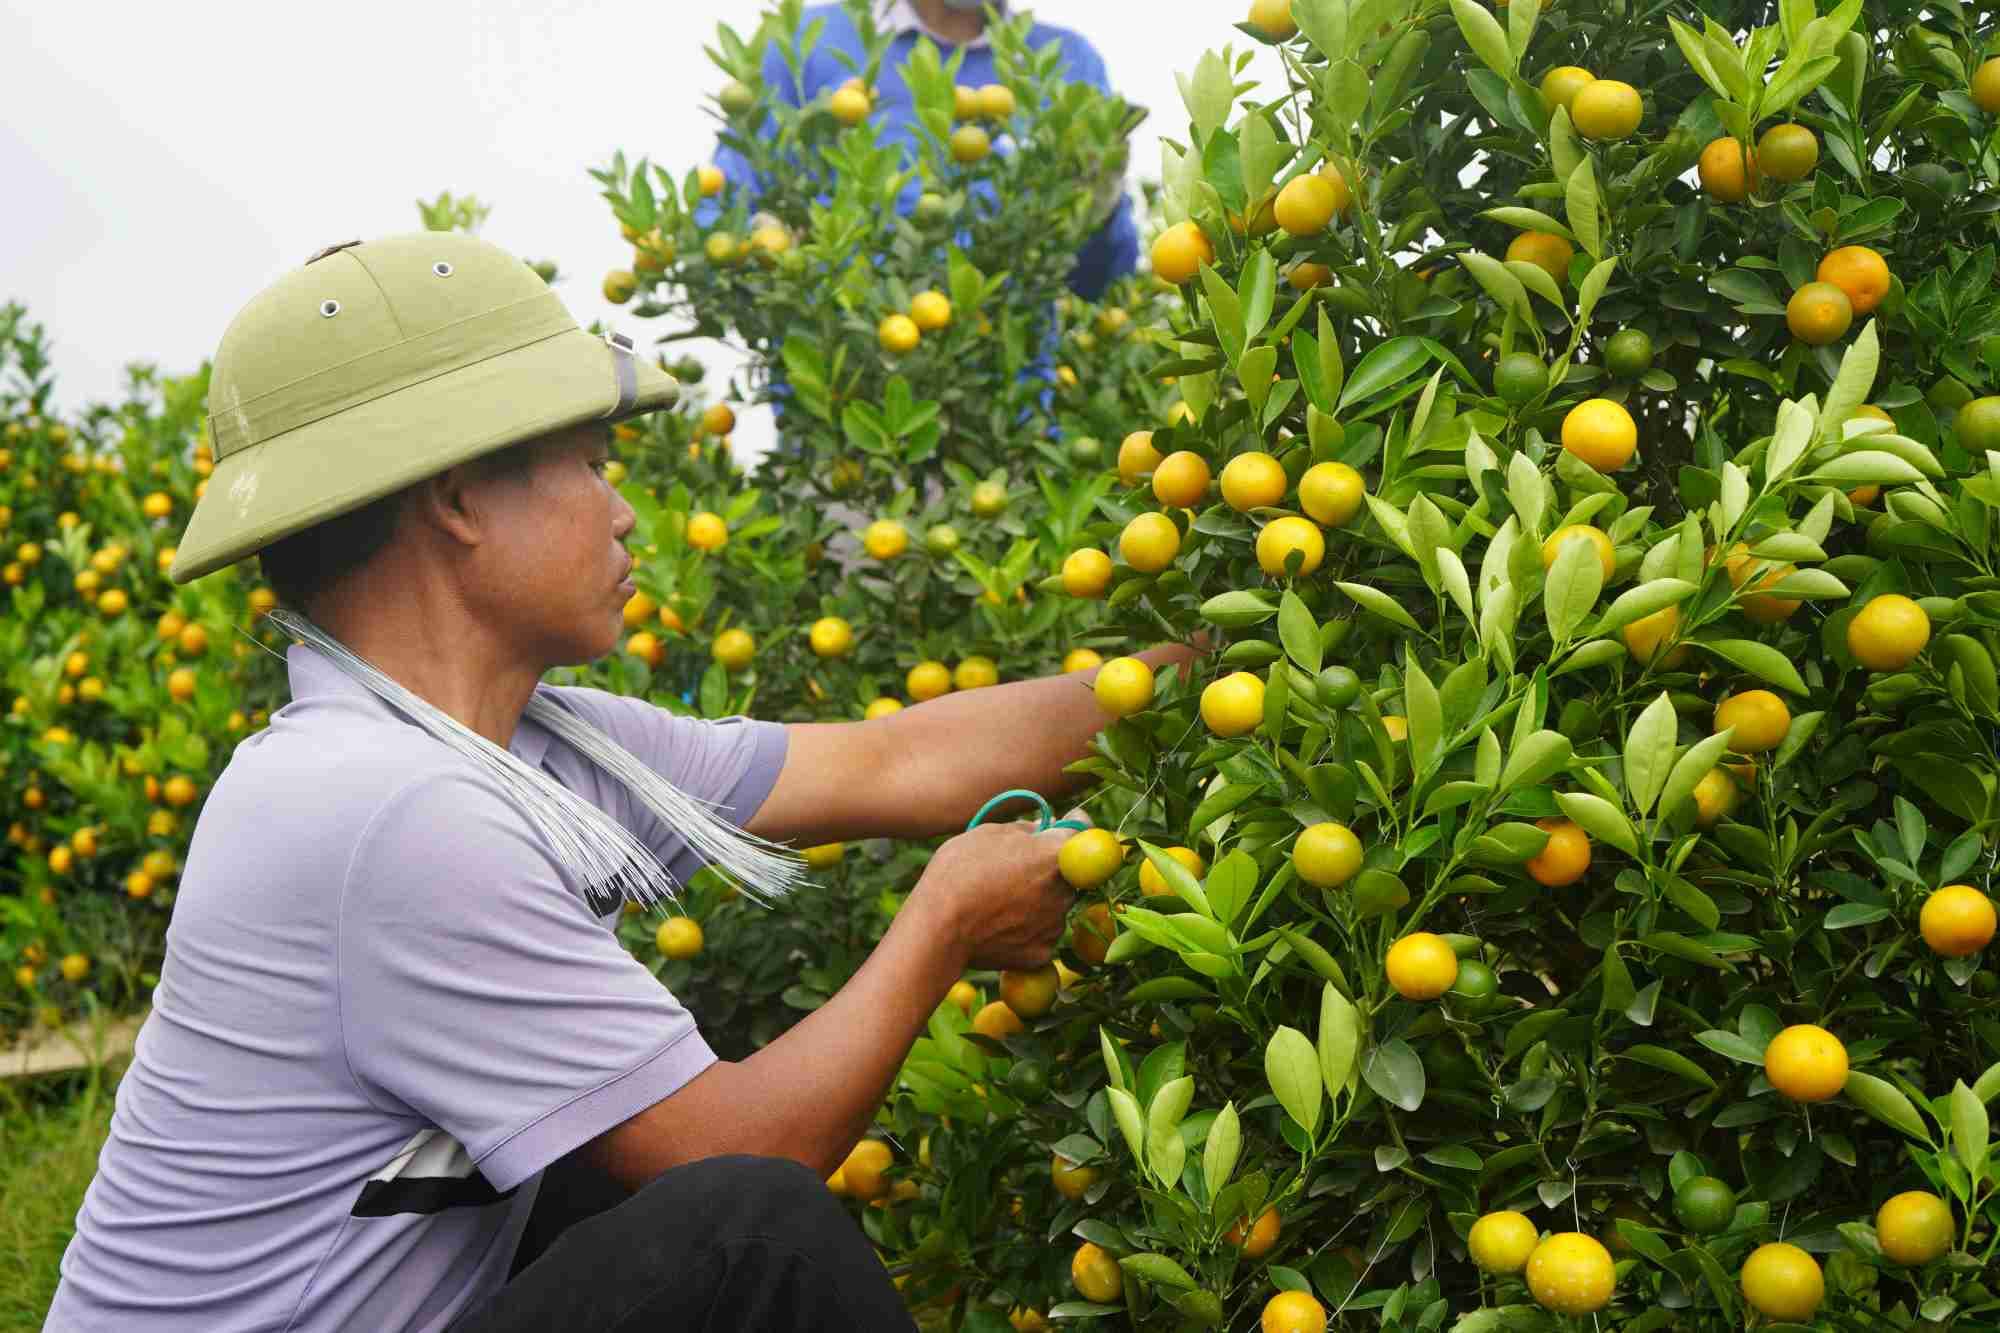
1075,816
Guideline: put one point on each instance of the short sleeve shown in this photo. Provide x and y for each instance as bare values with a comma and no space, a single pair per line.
478,991
731,762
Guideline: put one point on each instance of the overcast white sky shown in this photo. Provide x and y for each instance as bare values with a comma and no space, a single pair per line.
161,163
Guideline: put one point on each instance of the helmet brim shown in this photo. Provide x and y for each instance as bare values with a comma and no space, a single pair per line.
288,483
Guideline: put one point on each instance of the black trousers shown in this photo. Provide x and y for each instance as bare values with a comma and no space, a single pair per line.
731,1243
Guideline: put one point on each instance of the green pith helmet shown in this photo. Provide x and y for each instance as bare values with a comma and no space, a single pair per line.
381,363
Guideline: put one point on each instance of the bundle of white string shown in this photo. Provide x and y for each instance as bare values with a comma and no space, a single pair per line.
611,863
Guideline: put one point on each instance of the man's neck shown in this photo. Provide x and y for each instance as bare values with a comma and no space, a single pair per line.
424,637
954,25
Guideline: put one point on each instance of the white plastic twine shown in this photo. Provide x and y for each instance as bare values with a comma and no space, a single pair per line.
613,865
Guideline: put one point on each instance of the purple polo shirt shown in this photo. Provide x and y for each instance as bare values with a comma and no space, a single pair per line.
384,1009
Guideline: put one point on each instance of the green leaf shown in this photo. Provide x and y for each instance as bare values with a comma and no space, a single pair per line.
1166,1150
1379,602
1219,803
1726,59
1230,882
1225,311
1691,768
1649,752
1219,1154
1425,719
1640,602
1538,755
1696,55
1315,955
1591,289
1277,700
1528,491
1615,982
1852,385
1483,35
1376,892
1809,584
1387,364
1255,371
1393,1070
1528,219
1239,609
1131,1124
1114,1067
1575,580
1499,282
1299,632
1760,660
1886,1103
1497,620
1339,1038
1258,291
1451,574
1596,653
1521,31
1580,201
1848,915
1178,878
1659,1057
1866,467
1159,1270
1332,370
1602,820
1680,946
1261,156
1969,1129
1732,1046
1209,92
1292,1068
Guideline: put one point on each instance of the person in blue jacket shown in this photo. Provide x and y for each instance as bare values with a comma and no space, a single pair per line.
1110,253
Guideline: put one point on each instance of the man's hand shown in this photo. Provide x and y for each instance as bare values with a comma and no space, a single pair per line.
998,888
990,898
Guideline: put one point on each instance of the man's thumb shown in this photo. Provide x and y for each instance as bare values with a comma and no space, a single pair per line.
1076,816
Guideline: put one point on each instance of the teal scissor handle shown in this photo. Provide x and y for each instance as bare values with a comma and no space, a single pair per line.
1048,819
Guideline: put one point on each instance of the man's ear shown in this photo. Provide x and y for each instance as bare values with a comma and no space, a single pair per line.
450,504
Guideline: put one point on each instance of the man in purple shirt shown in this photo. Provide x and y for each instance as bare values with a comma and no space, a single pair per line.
392,996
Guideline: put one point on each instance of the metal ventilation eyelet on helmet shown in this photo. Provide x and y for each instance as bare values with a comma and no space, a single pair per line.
441,268
329,308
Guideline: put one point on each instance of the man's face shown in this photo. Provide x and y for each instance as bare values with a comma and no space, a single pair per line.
557,568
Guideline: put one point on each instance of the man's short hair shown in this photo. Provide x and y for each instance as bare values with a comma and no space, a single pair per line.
304,565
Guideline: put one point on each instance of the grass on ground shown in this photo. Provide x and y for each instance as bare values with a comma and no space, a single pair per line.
50,1132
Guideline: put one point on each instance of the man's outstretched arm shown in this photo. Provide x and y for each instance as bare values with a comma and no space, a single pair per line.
926,770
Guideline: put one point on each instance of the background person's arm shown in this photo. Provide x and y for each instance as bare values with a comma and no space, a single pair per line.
926,770
1110,254
990,898
1113,249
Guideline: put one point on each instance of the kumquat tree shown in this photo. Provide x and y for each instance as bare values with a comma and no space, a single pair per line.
1558,895
941,395
1559,898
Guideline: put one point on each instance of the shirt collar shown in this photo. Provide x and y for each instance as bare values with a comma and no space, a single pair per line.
311,674
902,16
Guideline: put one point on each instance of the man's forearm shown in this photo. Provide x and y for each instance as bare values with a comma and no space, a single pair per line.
955,753
811,1094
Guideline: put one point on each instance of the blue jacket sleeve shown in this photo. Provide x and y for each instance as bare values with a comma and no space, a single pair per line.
1113,251
1107,256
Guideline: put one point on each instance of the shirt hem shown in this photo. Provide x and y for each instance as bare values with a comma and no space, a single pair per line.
576,1122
